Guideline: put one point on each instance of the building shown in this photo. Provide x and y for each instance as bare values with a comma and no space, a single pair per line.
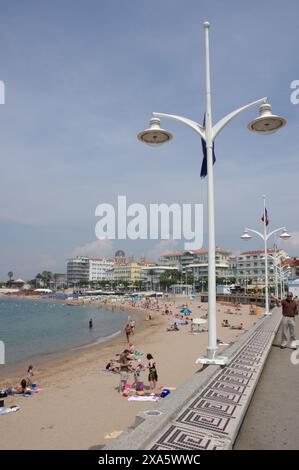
129,272
293,263
196,261
77,270
294,287
101,269
85,269
152,274
250,267
120,257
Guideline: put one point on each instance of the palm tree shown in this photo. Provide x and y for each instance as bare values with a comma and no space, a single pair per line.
37,279
46,277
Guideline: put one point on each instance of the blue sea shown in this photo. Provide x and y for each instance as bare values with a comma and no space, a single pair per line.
32,328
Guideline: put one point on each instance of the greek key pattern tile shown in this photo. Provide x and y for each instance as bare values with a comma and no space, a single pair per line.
186,439
211,419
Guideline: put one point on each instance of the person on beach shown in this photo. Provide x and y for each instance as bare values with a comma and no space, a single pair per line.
237,327
29,376
124,367
289,311
90,323
137,372
19,389
152,372
132,325
111,366
128,331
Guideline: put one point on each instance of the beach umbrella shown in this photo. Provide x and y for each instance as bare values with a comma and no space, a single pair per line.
186,311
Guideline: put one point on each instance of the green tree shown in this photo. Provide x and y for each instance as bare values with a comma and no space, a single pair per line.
46,277
10,276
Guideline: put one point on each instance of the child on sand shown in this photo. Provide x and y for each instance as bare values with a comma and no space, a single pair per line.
29,376
137,372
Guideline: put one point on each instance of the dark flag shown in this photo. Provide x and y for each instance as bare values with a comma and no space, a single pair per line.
265,218
204,165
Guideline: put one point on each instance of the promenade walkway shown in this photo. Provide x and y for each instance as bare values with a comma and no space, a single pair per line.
206,412
272,419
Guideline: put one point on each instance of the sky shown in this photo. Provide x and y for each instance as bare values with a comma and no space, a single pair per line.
82,79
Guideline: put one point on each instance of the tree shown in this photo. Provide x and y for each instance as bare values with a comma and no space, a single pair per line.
10,276
46,277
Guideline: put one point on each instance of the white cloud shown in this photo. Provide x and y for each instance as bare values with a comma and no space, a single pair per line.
163,246
99,248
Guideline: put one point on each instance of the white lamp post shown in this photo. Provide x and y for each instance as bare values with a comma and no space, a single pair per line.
284,272
276,257
265,236
154,135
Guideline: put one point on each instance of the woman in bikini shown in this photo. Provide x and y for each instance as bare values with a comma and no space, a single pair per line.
152,372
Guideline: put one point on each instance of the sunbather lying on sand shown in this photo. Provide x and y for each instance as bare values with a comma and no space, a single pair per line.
237,327
19,389
173,327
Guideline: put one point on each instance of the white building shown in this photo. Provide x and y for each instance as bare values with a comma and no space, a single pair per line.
196,261
251,266
100,269
85,269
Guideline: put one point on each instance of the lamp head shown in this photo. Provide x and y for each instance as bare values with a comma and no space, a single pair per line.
246,236
285,235
266,122
154,135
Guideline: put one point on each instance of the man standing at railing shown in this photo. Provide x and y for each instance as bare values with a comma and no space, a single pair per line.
289,311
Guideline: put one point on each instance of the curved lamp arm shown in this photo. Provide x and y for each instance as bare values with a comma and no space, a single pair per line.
194,125
256,232
274,231
222,123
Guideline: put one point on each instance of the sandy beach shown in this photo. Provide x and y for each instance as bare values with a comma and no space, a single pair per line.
80,405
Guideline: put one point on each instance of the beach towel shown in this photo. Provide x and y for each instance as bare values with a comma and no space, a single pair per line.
9,409
144,398
126,390
113,434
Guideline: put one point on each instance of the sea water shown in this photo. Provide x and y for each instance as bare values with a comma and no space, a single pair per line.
31,328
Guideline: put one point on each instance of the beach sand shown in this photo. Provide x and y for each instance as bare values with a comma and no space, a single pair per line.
80,403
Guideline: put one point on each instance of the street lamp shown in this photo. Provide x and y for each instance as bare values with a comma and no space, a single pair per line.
155,135
284,273
265,236
276,258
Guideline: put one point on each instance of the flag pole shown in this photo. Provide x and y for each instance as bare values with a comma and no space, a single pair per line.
266,260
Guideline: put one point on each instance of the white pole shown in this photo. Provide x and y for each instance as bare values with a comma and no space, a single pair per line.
275,267
212,339
266,261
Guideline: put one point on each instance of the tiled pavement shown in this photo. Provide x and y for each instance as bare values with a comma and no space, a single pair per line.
211,420
272,420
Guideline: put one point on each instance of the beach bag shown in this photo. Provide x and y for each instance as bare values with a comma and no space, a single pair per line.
139,386
165,392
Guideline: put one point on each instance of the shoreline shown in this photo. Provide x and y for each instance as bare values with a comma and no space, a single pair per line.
80,406
14,372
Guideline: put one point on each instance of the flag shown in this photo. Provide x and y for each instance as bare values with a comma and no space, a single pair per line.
204,165
265,218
